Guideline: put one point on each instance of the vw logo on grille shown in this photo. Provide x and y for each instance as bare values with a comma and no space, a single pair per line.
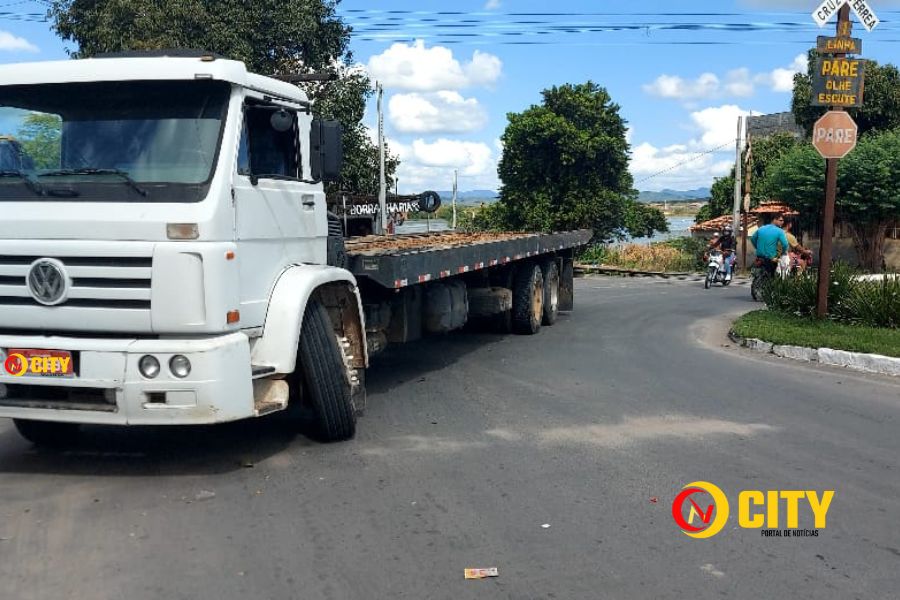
47,281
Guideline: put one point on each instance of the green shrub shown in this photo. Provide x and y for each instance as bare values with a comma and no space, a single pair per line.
676,255
850,299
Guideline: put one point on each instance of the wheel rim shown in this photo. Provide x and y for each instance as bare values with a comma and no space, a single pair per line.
537,300
554,293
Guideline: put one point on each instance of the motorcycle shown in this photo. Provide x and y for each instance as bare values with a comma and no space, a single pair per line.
787,266
717,270
759,279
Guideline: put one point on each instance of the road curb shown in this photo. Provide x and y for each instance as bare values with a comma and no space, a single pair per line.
856,361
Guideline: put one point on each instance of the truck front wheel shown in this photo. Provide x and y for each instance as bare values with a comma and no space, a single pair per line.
528,300
324,376
46,433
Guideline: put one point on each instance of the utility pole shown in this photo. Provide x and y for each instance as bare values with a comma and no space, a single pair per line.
382,183
735,211
745,208
455,188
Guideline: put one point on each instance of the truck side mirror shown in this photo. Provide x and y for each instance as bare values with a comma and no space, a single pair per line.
326,148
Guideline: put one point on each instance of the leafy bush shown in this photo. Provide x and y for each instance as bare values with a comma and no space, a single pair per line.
850,299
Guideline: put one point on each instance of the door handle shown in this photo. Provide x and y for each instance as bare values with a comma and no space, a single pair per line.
309,203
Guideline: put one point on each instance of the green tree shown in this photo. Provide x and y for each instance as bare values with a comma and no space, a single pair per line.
40,138
642,220
765,151
273,37
564,165
881,109
868,190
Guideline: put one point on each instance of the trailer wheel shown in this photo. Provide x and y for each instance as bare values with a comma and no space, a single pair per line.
46,433
324,376
550,271
528,300
503,322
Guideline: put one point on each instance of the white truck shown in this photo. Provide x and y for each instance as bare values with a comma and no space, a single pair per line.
167,256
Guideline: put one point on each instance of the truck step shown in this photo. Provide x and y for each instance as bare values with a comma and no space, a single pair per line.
269,395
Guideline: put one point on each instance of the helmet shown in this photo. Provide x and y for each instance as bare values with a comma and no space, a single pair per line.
728,229
716,234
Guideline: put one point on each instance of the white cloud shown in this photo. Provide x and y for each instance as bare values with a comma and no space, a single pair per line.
420,69
782,79
737,83
438,112
672,86
716,125
10,42
690,164
675,167
429,165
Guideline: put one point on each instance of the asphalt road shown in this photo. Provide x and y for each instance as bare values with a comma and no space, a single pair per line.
470,447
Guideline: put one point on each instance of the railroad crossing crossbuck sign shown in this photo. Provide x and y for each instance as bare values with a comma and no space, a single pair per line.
834,135
830,8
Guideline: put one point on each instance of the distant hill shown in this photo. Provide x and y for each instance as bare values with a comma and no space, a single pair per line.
675,195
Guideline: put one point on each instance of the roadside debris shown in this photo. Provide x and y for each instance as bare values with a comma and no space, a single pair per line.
482,573
204,495
654,499
545,526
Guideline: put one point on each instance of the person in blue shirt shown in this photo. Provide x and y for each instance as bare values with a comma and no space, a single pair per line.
766,240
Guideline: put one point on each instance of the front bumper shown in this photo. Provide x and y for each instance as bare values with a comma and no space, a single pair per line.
108,388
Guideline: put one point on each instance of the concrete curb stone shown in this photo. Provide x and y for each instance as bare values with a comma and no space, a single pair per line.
856,361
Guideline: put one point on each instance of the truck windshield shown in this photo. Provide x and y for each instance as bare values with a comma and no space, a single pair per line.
137,141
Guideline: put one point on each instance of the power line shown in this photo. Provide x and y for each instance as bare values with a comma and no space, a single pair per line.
684,162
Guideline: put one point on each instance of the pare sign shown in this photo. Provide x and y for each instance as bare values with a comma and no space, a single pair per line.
835,134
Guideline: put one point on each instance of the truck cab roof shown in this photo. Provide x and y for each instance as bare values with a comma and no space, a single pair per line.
147,68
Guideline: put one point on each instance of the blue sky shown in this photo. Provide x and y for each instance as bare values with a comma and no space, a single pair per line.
681,71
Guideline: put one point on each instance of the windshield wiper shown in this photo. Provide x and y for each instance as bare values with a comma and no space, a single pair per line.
30,183
87,171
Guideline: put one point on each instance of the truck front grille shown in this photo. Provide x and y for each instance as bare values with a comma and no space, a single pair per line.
57,397
96,281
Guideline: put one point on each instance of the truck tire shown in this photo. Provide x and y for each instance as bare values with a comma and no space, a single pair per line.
324,376
502,322
567,286
528,300
46,433
550,272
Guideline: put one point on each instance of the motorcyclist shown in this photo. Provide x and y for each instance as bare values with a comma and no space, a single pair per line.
766,240
727,244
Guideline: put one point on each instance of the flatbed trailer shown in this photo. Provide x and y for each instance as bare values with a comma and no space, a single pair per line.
434,283
403,260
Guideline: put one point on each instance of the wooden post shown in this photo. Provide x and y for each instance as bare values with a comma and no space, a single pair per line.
844,27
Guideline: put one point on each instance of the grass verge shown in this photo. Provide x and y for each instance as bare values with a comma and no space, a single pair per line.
789,330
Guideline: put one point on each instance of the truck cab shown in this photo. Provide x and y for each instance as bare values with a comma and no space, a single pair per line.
164,236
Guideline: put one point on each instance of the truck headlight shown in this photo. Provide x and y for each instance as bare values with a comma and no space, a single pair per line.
180,366
148,366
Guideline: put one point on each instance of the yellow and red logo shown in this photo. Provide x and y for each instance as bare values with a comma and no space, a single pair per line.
711,517
706,507
18,363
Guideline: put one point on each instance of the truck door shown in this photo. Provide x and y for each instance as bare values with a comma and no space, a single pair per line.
279,219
